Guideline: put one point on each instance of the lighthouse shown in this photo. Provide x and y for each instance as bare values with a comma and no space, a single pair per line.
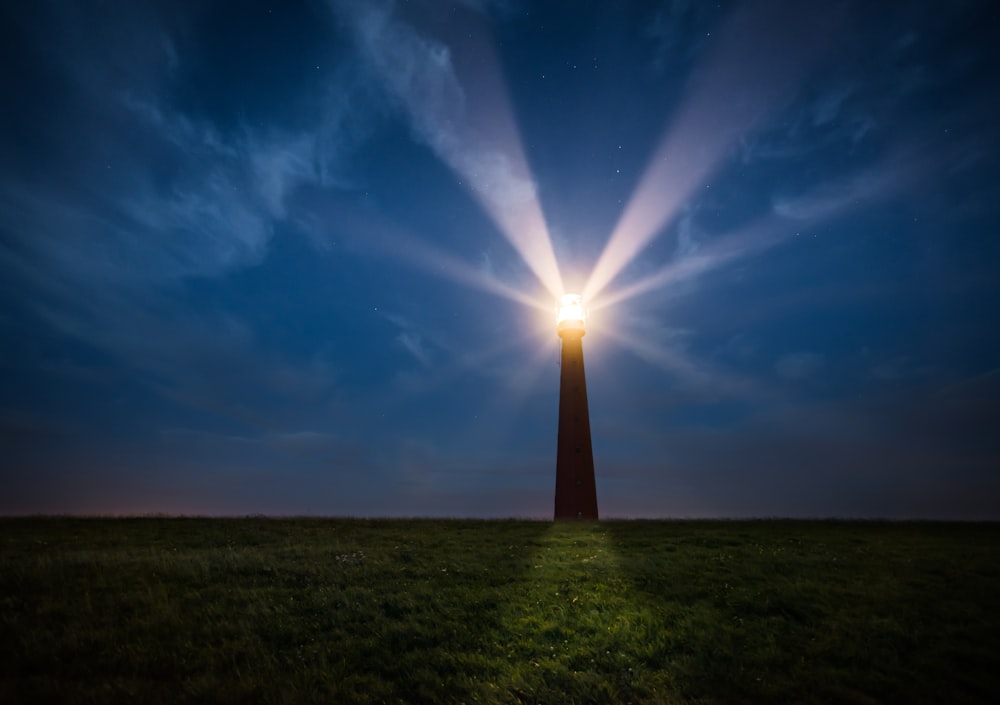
576,489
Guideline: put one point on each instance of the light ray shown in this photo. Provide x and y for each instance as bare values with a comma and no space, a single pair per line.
745,243
439,262
713,382
389,240
491,157
740,84
453,91
663,357
791,216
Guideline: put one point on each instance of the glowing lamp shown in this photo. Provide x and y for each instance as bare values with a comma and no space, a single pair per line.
570,315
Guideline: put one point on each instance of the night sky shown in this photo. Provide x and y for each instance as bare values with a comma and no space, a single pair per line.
303,257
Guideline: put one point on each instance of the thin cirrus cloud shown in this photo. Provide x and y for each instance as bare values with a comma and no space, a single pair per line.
467,123
102,232
106,278
124,186
409,339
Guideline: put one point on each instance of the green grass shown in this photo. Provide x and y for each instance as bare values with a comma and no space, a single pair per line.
355,611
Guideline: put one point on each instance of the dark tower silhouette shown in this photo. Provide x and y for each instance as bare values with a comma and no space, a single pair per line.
576,489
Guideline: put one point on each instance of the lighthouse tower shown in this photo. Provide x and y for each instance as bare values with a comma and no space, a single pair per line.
576,490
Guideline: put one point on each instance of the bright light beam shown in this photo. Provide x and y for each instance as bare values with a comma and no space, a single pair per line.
743,80
744,243
806,211
374,233
436,261
454,94
489,154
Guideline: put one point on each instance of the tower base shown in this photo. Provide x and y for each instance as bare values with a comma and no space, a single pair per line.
576,488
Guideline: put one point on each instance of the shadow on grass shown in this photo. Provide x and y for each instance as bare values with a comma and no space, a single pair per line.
438,611
261,610
814,612
351,611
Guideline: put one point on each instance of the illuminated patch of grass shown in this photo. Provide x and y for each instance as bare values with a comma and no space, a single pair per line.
354,611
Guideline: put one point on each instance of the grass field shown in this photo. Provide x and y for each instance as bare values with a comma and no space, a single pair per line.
354,611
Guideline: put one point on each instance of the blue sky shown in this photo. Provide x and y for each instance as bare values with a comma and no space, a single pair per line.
302,257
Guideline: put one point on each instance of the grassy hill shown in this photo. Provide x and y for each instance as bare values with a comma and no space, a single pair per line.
425,611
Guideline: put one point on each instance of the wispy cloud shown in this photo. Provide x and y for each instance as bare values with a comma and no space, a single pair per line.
130,195
128,184
468,125
836,197
414,345
424,344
